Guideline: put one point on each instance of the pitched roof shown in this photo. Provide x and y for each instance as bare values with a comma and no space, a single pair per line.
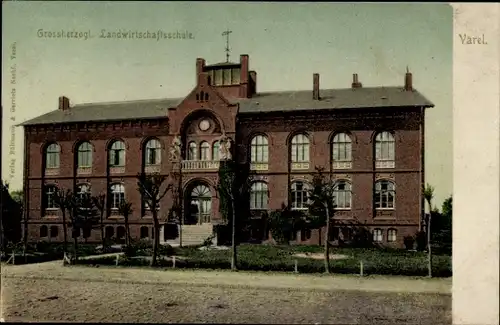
285,101
334,99
127,110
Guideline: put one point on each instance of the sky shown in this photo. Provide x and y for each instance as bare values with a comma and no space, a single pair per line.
286,43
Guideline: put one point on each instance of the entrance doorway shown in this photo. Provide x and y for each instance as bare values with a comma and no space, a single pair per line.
199,205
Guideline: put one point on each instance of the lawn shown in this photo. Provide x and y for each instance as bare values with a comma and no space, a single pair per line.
283,258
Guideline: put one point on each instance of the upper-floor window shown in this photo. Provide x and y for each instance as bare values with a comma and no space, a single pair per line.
192,151
300,195
204,151
84,158
342,195
225,76
384,194
341,151
259,149
117,195
259,196
215,150
117,154
52,155
384,150
49,193
153,152
300,148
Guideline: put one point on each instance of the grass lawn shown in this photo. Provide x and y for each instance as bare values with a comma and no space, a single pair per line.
282,258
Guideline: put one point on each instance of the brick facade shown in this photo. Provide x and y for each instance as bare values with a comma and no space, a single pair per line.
215,104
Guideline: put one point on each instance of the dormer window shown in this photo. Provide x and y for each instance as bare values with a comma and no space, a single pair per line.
226,76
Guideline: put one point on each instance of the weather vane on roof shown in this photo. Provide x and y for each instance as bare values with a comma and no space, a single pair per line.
226,33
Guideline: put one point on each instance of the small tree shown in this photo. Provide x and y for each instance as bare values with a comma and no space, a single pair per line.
86,215
152,189
175,211
100,204
63,199
125,209
428,193
322,198
232,187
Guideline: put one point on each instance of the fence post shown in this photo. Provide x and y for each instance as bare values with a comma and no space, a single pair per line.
361,268
13,258
117,259
173,261
296,267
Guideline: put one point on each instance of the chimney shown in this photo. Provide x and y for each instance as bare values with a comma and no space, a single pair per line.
316,86
355,81
200,66
253,79
63,103
408,80
244,89
204,79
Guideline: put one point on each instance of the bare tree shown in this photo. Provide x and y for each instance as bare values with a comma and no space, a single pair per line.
63,199
322,205
232,186
100,203
153,189
428,193
125,209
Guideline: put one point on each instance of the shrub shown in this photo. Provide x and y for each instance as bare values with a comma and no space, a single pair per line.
421,239
409,242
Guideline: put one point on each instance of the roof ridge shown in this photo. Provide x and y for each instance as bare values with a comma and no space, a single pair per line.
125,102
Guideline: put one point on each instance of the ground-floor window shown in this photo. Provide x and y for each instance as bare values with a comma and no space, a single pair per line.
377,235
144,232
305,234
54,231
43,231
109,232
120,232
391,235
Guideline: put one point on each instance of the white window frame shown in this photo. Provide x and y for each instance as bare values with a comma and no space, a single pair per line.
204,151
378,235
117,195
259,149
49,192
192,151
259,196
392,235
117,152
300,148
153,152
304,192
385,150
342,148
343,197
84,159
388,193
215,151
53,156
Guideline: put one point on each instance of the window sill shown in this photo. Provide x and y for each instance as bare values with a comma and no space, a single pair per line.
299,166
342,165
52,171
117,169
385,164
259,166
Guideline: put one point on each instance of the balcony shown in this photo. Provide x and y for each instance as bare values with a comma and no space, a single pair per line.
200,165
385,164
258,166
342,165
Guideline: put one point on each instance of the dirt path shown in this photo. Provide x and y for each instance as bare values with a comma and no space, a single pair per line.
55,270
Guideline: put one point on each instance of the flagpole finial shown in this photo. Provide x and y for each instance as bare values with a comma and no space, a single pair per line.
226,33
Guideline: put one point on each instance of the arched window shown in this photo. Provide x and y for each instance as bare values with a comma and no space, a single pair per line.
300,148
153,152
300,195
54,231
215,151
109,232
117,195
341,151
84,159
83,191
259,196
377,235
391,235
44,231
120,232
384,150
192,151
342,195
117,154
204,151
144,232
52,155
201,203
385,193
259,149
49,197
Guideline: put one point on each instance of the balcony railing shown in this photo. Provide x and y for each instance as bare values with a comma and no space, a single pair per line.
342,165
385,164
200,164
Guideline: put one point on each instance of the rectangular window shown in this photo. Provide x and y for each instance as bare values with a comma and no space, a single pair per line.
218,77
235,76
227,76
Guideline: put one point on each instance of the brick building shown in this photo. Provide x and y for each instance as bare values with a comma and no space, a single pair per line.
371,139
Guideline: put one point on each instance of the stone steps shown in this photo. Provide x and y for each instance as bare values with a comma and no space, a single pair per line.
193,235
